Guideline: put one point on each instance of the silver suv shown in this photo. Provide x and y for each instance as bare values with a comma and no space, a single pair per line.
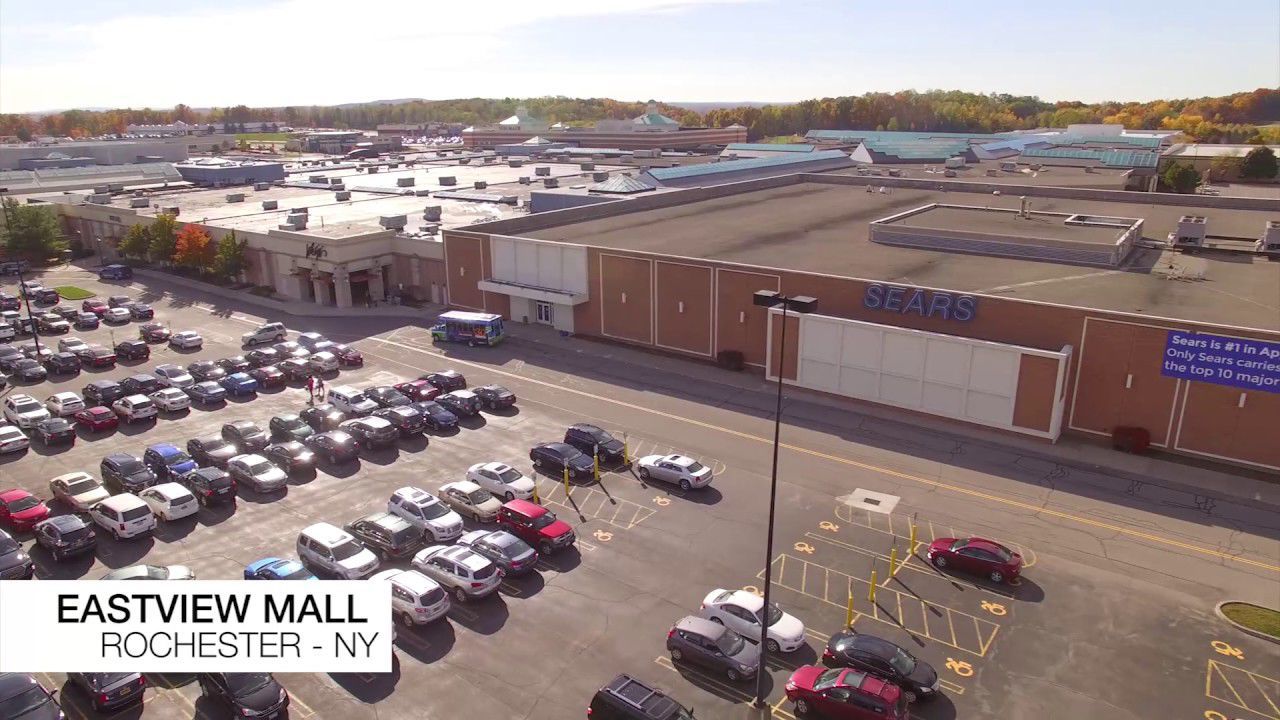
268,333
468,575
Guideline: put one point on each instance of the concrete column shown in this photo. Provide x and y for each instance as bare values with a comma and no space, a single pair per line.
321,289
342,290
376,290
290,286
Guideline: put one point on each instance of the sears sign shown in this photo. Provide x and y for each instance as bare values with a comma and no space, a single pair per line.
917,301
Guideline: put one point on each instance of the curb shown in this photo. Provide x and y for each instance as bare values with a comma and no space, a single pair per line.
1217,609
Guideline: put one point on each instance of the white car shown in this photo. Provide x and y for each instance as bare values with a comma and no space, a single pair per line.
63,404
676,469
116,315
78,491
467,574
333,550
323,362
471,500
71,345
502,480
259,472
739,611
415,598
12,440
310,340
170,501
133,408
174,376
7,331
187,340
123,516
170,399
425,512
268,333
24,410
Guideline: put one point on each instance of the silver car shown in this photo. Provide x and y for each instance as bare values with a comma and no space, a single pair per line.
259,472
468,575
676,469
709,644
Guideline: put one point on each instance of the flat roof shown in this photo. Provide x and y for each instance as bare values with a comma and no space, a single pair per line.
1056,176
821,228
1001,222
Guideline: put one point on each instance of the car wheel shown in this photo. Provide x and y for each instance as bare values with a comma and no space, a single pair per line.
685,485
717,620
996,576
406,619
544,548
939,561
802,706
643,473
772,645
460,595
676,655
510,496
911,697
732,675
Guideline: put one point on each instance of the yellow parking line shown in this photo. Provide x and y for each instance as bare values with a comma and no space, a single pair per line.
733,692
951,687
307,712
1275,710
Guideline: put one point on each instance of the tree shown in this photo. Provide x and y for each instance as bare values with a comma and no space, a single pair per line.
193,248
135,242
32,230
1259,164
1224,168
164,237
1181,177
228,261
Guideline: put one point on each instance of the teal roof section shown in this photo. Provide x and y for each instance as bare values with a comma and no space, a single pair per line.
771,147
1132,140
654,119
940,148
898,136
728,166
1108,158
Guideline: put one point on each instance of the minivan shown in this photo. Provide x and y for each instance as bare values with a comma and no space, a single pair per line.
123,516
351,401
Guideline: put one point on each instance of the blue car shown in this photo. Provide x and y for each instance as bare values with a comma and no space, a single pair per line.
277,569
167,461
435,416
239,384
115,272
206,392
87,321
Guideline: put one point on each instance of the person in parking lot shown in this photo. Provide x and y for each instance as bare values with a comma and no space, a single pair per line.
321,392
311,389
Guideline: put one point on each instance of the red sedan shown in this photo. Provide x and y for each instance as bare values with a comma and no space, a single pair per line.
976,555
268,376
21,510
348,356
419,390
845,693
97,419
97,307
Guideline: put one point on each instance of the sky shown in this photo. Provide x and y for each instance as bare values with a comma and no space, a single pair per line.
157,53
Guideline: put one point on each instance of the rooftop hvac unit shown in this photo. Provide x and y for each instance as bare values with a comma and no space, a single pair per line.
895,172
335,181
457,152
587,166
954,162
992,172
598,156
393,222
316,179
338,186
101,189
945,173
1270,240
299,210
393,165
550,182
1190,232
373,169
524,180
138,193
489,159
100,198
235,197
138,202
515,163
405,182
170,210
342,195
430,228
542,171
448,180
481,185
464,161
115,187
432,212
270,204
599,176
421,192
262,186
441,153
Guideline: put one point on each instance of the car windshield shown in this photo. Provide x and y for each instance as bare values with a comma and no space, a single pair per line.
600,436
23,702
26,406
478,496
102,680
730,643
347,550
827,679
544,520
774,614
177,458
82,485
355,398
434,510
509,475
73,535
1001,553
902,662
695,467
293,571
130,466
260,467
21,504
8,544
136,513
241,684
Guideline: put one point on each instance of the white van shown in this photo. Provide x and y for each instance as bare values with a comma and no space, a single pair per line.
351,401
335,551
123,516
415,598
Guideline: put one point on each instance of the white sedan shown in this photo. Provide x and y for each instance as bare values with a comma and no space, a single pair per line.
739,611
174,376
169,501
186,340
117,315
676,469
257,472
471,500
78,491
63,404
323,362
170,399
12,440
502,480
71,345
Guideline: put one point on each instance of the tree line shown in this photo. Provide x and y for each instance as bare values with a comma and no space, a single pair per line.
190,248
1240,117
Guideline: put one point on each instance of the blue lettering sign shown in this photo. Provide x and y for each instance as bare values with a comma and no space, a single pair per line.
1236,362
925,303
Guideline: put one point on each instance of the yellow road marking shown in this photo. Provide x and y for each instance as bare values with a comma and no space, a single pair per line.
926,570
1220,669
971,492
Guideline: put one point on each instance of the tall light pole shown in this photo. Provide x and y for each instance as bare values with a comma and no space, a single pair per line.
799,304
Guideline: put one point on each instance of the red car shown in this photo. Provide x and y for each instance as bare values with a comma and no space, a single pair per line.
97,307
347,356
268,376
419,390
21,510
845,693
976,555
97,419
535,525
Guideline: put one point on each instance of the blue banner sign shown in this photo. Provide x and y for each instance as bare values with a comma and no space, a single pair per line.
1239,363
917,301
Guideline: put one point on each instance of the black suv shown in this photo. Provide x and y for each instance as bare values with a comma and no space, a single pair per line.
446,380
211,450
289,427
102,392
210,485
406,419
123,472
626,698
256,694
140,384
63,363
206,370
234,364
590,439
246,435
391,536
323,418
387,396
495,397
133,350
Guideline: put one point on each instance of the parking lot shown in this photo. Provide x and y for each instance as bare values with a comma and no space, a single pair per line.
1113,617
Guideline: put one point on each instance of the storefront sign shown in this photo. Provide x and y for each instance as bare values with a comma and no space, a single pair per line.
1237,362
917,301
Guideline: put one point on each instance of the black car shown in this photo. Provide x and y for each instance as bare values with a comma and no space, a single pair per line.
627,698
206,392
110,691
140,384
133,350
102,392
211,450
47,296
14,563
65,536
290,456
405,419
289,426
55,431
87,321
63,363
495,397
295,370
390,536
141,311
372,433
246,694
593,440
210,485
8,354
446,380
882,658
234,364
387,396
29,700
246,435
336,446
9,302
123,472
29,370
65,312
554,457
435,416
262,356
206,370
513,555
323,417
462,403
116,301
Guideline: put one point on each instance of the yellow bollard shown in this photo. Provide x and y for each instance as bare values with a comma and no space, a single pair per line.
566,481
536,500
626,454
893,561
848,614
595,466
871,594
913,539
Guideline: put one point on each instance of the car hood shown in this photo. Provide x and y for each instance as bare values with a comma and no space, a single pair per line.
273,475
13,559
788,626
924,675
582,462
359,560
941,544
262,698
806,676
89,498
490,506
141,476
223,451
749,654
446,522
613,446
556,529
524,485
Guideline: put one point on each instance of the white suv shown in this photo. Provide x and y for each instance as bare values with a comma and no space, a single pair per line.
24,410
174,376
351,401
134,408
333,550
268,333
123,516
415,598
426,512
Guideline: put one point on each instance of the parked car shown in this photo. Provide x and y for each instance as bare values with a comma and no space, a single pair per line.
140,384
536,525
123,472
628,698
154,332
245,694
133,408
257,472
151,572
234,364
174,376
347,356
24,411
97,307
66,312
202,370
22,691
7,330
502,480
98,356
186,340
351,401
415,598
884,659
13,440
462,403
206,393
335,551
406,420
676,469
471,500
277,569
9,302
289,426
494,397
97,419
29,370
713,646
239,384
246,435
434,519
65,536
133,350
54,431
116,316
171,399
268,376
336,446
20,510
141,311
594,441
741,611
467,574
293,370
555,457
170,501
388,535
115,272
446,380
309,340
290,456
53,324
511,554
46,296
79,490
71,344
386,396
262,357
63,404
977,556
435,416
63,363
267,333
371,432
845,693
123,516
418,390
323,362
290,349
323,417
167,461
103,392
110,691
210,485
87,321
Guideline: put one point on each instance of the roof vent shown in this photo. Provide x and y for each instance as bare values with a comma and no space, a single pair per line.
393,222
515,163
101,189
599,176
235,197
373,169
432,212
422,192
262,186
551,182
170,210
465,161
524,180
298,210
448,180
1190,232
270,204
138,202
481,184
100,198
1270,240
542,171
405,182
342,195
316,179
587,166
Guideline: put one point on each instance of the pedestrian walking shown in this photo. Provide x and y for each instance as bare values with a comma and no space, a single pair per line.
311,389
321,392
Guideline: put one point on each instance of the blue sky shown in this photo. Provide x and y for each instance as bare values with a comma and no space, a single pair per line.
139,53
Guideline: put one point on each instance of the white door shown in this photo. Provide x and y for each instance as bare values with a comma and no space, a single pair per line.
545,315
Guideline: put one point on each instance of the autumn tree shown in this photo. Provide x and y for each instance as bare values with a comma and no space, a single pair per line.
1259,164
135,242
1180,177
164,238
229,261
31,230
193,248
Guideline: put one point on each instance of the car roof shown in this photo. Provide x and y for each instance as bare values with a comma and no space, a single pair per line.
414,581
14,494
66,395
326,533
13,684
66,522
497,467
701,626
465,486
559,446
526,508
171,490
387,520
867,643
124,501
585,427
164,448
104,383
417,496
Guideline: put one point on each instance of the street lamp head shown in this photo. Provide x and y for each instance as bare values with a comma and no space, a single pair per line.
802,304
766,298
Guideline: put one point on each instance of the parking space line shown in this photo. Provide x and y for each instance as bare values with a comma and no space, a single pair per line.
922,569
951,687
738,695
307,712
1268,689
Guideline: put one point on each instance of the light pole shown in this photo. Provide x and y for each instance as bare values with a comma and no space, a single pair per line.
799,304
26,296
